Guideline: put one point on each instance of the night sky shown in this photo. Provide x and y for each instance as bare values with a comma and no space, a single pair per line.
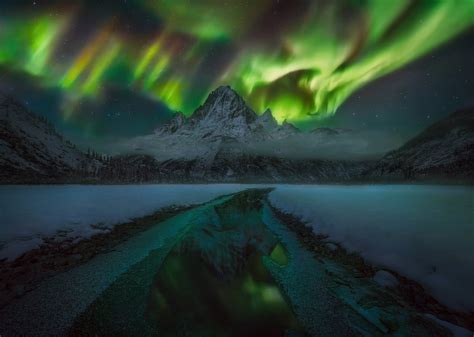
101,70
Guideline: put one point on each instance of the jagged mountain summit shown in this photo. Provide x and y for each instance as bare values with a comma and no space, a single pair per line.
223,121
225,140
32,151
225,114
226,125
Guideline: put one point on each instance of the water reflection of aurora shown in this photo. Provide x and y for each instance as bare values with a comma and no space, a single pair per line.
215,282
188,296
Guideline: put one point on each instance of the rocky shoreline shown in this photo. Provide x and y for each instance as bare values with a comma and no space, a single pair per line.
405,291
61,253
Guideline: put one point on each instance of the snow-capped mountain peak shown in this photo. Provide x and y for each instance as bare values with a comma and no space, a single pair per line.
223,114
222,119
266,120
224,104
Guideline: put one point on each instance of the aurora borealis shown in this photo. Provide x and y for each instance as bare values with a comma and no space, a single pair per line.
301,58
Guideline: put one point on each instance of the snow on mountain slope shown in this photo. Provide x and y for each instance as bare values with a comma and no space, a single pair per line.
30,148
446,148
225,118
225,114
225,140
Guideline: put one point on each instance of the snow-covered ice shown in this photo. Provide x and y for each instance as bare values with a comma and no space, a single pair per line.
28,213
423,232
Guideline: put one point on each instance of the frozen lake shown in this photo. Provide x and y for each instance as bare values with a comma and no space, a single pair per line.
423,232
28,213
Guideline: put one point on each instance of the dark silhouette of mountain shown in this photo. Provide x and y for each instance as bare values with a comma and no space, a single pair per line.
32,151
443,150
226,141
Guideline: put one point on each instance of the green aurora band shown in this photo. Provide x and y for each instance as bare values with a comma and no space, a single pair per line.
304,65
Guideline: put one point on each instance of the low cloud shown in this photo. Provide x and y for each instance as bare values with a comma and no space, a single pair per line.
347,145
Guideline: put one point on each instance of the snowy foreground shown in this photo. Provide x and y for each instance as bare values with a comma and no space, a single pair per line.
425,233
29,213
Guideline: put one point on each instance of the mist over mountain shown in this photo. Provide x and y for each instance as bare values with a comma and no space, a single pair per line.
225,120
226,141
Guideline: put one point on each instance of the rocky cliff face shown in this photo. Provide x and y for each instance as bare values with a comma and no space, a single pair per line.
32,151
443,150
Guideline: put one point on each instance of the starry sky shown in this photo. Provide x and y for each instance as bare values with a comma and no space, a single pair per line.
101,70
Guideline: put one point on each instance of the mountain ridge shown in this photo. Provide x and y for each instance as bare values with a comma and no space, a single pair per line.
445,148
226,141
32,150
